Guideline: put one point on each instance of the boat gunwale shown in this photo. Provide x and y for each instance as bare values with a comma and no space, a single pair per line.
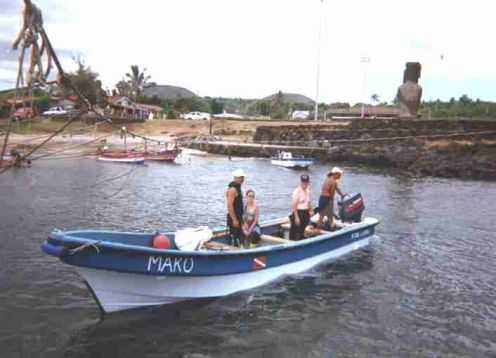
66,237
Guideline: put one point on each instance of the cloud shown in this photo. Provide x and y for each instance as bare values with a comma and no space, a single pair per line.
254,48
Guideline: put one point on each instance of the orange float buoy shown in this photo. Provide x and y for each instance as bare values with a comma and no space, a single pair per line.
161,241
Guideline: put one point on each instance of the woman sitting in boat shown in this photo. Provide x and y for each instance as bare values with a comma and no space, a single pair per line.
251,229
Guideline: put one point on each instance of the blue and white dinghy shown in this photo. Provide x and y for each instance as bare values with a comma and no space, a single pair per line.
288,160
124,270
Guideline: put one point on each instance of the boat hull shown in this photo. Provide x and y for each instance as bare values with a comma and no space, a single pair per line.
295,164
123,270
117,291
166,156
122,159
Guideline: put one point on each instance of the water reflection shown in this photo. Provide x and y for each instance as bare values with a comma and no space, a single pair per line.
206,325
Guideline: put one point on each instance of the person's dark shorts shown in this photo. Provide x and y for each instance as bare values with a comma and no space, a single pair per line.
235,233
325,205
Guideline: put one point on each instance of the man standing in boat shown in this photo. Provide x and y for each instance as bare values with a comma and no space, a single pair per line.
235,208
302,209
326,199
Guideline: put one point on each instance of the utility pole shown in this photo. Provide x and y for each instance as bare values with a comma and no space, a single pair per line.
364,60
318,62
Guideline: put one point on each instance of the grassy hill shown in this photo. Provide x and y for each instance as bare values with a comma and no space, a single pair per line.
289,98
167,92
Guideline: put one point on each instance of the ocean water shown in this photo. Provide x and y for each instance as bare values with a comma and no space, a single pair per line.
425,287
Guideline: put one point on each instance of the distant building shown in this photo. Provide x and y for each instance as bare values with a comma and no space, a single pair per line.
64,102
154,112
123,107
300,114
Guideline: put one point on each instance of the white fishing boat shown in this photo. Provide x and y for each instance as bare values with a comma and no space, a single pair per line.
288,160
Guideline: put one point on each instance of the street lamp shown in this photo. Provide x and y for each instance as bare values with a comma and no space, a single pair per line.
364,60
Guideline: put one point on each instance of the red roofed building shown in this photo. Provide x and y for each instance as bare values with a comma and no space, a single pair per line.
123,107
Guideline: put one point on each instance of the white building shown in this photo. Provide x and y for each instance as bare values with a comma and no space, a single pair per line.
300,114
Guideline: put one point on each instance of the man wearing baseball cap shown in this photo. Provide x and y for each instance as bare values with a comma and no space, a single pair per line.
326,199
235,207
301,209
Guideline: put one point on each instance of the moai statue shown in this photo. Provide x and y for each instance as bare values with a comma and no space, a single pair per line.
410,93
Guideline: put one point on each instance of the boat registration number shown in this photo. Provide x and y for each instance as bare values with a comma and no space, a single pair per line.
360,234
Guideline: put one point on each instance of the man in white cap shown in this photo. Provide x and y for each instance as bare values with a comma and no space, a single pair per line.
326,199
235,207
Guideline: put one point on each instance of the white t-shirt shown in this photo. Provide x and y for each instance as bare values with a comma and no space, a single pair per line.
301,197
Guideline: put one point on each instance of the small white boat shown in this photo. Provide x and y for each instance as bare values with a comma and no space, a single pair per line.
287,160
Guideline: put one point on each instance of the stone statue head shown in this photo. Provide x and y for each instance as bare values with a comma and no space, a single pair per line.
412,72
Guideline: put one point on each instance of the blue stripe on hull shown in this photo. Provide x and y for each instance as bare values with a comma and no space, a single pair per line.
149,261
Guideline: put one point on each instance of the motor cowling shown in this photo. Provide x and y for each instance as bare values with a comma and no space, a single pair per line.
351,208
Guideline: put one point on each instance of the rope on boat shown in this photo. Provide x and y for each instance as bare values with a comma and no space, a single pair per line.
72,147
328,143
28,37
67,81
92,244
79,130
127,176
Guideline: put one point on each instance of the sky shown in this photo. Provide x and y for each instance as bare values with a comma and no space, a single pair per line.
254,48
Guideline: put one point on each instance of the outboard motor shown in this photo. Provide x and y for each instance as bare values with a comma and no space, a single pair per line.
351,207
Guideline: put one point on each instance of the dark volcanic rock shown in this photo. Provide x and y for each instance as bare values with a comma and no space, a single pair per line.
444,148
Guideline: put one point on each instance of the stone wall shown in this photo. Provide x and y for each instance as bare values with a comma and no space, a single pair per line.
385,142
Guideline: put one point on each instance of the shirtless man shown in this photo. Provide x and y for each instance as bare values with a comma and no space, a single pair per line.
326,199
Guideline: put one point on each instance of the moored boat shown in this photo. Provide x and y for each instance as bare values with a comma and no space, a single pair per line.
164,155
122,157
288,160
125,270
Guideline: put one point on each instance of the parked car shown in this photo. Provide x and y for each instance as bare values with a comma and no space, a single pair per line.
55,111
24,113
195,115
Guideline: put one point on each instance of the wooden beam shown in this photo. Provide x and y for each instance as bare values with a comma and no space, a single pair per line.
273,239
218,246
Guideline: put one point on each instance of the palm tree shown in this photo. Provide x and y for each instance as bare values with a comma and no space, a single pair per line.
374,97
124,88
137,80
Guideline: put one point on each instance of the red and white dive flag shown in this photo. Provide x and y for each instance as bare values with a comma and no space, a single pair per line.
259,262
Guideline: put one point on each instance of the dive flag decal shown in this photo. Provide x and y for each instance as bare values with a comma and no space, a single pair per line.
259,262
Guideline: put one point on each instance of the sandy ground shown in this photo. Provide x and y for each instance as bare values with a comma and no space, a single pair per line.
84,139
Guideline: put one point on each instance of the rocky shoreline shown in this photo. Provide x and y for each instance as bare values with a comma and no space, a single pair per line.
441,148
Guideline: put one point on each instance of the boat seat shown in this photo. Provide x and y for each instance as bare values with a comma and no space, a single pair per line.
282,222
308,232
218,246
273,239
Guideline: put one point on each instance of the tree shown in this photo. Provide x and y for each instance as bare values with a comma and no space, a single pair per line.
375,98
124,88
464,99
84,79
137,81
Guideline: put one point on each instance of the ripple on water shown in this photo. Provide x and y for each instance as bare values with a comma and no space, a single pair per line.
425,287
